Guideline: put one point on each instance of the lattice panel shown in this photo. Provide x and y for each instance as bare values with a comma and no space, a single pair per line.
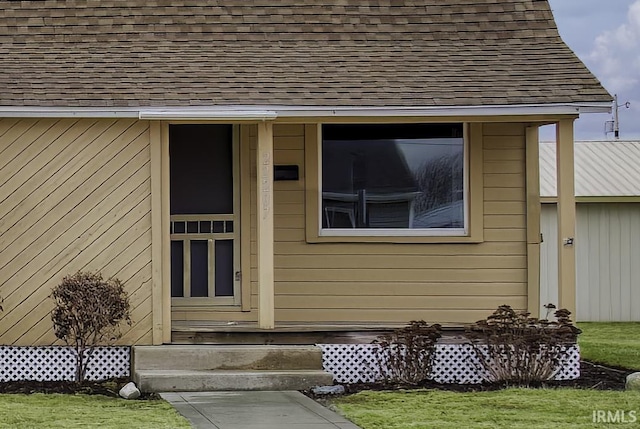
453,363
350,363
58,363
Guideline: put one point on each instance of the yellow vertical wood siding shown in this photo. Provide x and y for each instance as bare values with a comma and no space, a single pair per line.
74,195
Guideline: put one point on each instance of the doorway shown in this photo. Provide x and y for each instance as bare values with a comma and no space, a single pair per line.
204,214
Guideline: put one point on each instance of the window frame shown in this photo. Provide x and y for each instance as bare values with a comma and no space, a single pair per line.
472,197
393,232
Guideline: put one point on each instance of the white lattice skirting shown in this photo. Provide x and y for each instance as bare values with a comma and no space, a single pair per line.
453,363
55,363
349,363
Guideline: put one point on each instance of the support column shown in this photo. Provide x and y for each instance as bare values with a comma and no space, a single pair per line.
157,285
566,216
165,220
266,316
533,220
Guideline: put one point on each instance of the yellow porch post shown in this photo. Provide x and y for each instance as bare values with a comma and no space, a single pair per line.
158,315
266,317
165,221
566,216
533,220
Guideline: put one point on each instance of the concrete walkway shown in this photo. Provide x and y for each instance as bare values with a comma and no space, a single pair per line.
254,410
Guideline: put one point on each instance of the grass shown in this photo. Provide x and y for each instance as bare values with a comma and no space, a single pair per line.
614,344
510,408
611,343
81,411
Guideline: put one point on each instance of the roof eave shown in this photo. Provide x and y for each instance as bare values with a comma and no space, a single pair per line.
260,113
435,111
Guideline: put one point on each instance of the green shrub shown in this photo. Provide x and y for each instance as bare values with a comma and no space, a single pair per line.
88,311
406,355
513,348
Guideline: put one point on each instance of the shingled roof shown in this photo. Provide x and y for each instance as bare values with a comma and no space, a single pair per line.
115,53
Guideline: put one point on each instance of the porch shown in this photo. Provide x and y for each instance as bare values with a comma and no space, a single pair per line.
294,286
303,333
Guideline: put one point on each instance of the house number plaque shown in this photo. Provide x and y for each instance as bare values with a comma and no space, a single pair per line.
266,184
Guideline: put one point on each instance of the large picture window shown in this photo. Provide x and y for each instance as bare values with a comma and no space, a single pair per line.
379,179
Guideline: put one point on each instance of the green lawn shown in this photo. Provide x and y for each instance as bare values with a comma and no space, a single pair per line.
82,411
510,408
615,343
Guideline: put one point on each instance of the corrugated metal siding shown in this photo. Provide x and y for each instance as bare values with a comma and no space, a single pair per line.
548,256
607,261
602,169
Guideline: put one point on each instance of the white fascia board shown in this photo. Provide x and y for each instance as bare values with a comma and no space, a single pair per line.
68,112
230,114
596,108
265,113
284,112
457,111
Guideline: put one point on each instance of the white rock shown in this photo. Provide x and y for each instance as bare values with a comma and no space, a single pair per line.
130,391
633,381
328,390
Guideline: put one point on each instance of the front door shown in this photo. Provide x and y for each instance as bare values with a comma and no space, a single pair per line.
204,215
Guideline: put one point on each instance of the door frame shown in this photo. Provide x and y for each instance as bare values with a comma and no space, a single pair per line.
212,301
161,220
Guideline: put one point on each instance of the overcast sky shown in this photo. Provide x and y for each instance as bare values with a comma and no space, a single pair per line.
605,34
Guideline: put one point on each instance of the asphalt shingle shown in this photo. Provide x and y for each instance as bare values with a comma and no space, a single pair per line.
109,53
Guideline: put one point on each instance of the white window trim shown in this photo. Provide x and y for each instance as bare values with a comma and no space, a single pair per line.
400,232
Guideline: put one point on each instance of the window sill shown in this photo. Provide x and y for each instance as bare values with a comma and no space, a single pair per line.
396,238
384,232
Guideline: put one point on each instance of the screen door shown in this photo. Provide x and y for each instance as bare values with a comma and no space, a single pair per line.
204,215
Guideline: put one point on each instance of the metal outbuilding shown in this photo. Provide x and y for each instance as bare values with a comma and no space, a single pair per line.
607,187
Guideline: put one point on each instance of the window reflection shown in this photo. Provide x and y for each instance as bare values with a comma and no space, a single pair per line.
393,176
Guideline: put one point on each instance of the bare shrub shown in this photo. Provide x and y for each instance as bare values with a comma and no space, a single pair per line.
513,348
88,311
406,355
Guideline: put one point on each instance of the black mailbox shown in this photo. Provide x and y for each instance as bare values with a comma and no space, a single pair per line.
286,172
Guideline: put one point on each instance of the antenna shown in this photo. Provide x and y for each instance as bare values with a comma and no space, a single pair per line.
614,126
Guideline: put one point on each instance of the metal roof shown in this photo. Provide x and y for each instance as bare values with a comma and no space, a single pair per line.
602,169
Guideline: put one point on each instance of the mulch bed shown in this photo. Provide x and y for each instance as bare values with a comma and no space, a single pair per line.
592,376
109,387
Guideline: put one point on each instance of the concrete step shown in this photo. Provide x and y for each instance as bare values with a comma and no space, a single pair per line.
208,357
218,380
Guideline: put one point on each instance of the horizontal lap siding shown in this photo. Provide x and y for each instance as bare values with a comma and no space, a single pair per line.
74,195
288,200
455,283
